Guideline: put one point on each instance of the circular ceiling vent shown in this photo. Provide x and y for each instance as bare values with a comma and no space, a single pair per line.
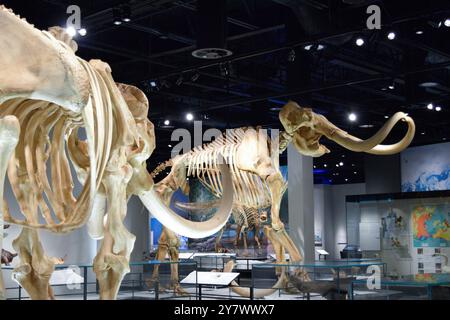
211,53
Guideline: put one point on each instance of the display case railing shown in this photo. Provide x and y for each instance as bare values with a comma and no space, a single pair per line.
79,283
328,279
432,286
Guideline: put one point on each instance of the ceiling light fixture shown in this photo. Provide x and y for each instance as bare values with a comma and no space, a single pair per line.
352,117
359,42
189,117
438,109
430,106
166,122
447,22
291,55
126,13
341,164
117,16
82,32
391,35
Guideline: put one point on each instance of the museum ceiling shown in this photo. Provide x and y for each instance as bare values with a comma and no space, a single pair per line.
282,49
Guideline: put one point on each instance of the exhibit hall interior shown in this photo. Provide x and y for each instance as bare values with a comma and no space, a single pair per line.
224,150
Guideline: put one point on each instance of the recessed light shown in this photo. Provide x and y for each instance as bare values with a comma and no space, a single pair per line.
422,133
447,22
359,42
341,163
346,180
325,165
170,146
430,106
82,32
419,32
391,35
352,117
308,47
189,117
438,109
354,172
166,122
386,117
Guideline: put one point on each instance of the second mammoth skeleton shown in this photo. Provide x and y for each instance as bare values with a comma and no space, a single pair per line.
257,180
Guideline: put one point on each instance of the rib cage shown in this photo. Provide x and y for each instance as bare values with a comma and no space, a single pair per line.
244,216
202,162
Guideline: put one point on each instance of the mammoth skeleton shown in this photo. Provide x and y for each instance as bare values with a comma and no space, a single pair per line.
253,157
48,98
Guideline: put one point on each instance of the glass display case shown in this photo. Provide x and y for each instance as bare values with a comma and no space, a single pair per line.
409,231
208,261
319,280
78,282
426,286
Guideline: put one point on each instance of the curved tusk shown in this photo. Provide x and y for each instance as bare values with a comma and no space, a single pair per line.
257,293
187,228
372,145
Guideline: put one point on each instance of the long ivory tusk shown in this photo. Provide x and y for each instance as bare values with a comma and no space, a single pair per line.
257,293
9,136
187,228
372,145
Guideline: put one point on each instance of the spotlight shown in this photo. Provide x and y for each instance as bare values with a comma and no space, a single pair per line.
307,47
430,106
126,13
352,117
189,117
117,16
419,32
438,109
391,86
359,42
341,164
447,22
195,77
224,69
82,32
153,84
320,47
179,80
170,146
325,165
166,122
291,55
391,35
71,31
386,117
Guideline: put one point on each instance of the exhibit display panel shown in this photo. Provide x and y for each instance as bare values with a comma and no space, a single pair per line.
408,231
428,286
321,279
150,280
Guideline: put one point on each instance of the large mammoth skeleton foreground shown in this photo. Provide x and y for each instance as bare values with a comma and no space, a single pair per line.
49,99
257,181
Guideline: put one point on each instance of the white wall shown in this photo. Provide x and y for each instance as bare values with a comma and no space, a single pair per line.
330,214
